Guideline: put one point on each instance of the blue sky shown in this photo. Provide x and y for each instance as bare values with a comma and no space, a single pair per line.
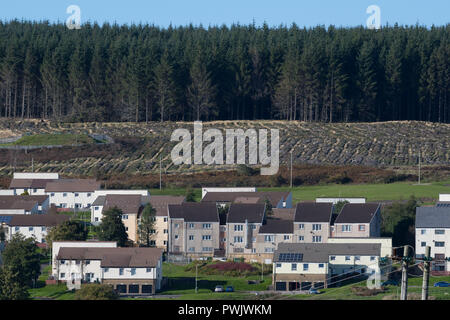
211,12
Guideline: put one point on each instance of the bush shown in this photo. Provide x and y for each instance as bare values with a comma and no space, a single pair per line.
366,292
96,292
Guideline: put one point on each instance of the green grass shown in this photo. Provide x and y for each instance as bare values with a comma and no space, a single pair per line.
373,192
52,139
57,292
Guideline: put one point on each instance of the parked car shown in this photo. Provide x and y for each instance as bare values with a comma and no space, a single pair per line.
442,284
218,289
313,291
390,282
229,289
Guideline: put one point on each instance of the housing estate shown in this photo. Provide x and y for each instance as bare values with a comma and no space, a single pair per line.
14,204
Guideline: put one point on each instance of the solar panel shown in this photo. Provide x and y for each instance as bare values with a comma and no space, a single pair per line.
443,205
290,257
5,219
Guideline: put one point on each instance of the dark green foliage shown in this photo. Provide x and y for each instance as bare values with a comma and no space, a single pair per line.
146,227
190,195
96,292
245,170
112,228
71,230
269,207
338,206
397,221
22,259
144,73
11,285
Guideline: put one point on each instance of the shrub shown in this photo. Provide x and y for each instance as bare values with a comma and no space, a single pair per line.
96,292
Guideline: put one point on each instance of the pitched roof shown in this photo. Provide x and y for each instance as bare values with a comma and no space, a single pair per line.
432,217
128,203
36,220
194,212
160,203
320,252
357,213
73,185
313,212
286,214
100,201
21,202
29,183
274,225
240,212
114,257
246,197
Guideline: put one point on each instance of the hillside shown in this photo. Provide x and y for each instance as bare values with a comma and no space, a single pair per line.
138,147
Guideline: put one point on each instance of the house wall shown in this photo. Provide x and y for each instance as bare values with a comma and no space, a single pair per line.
96,214
131,226
84,199
161,236
263,246
386,243
307,232
14,211
430,238
249,233
354,233
39,233
35,175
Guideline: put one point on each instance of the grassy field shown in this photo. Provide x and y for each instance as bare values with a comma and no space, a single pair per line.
373,192
52,139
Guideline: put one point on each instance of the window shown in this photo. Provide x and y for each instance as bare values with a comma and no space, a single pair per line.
207,249
439,231
423,231
165,219
423,244
192,249
133,271
121,271
372,258
362,227
96,208
293,266
43,229
305,267
317,238
87,262
316,227
286,237
268,250
332,258
278,265
89,194
152,231
207,226
238,239
357,258
152,242
176,236
253,239
105,269
301,238
191,237
206,237
76,194
191,226
126,228
253,227
64,194
439,244
34,190
30,228
176,225
124,217
17,228
52,194
268,238
238,227
301,226
347,258
62,275
63,261
96,218
166,231
321,265
165,242
346,228
148,270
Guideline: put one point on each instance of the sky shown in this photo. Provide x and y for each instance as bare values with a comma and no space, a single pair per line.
309,13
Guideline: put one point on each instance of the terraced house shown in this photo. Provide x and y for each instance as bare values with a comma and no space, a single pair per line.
131,271
33,183
243,222
300,266
193,229
358,220
72,193
312,222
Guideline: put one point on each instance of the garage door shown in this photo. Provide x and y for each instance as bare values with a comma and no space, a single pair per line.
133,288
147,288
280,286
121,288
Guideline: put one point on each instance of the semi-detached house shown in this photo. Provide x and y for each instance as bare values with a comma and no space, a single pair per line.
312,222
358,220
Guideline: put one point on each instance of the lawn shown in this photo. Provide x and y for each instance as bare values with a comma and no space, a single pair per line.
373,192
52,139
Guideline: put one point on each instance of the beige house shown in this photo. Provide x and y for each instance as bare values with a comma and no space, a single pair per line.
193,229
242,228
312,222
273,232
358,220
161,205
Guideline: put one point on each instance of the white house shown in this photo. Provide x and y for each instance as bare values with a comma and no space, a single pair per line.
12,205
72,193
131,271
337,200
300,266
433,229
33,183
444,197
232,189
33,226
56,245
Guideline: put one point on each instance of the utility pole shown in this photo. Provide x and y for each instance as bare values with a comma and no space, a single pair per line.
160,174
419,166
32,164
196,274
291,169
262,269
405,260
426,273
